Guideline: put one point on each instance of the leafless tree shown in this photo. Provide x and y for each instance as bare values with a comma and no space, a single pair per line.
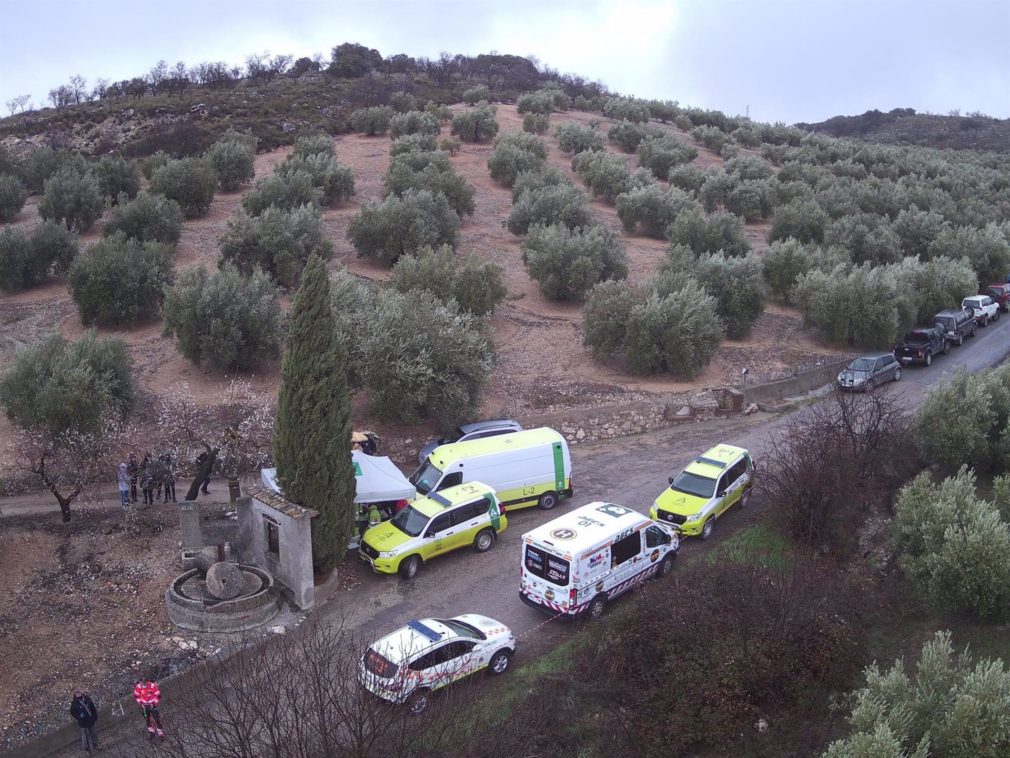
79,88
18,102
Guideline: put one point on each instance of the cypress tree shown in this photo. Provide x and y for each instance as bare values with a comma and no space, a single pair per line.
312,434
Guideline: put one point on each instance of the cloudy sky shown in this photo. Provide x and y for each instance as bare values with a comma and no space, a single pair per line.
784,60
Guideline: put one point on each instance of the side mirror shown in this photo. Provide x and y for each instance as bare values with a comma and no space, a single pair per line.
721,493
670,479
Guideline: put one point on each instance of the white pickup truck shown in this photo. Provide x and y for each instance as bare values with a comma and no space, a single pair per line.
984,307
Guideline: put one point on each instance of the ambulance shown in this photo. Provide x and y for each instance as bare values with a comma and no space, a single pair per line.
531,467
582,560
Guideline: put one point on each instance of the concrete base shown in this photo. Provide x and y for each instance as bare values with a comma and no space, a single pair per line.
240,614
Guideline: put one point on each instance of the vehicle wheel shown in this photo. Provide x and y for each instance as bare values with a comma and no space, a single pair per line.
946,348
929,359
897,374
985,321
597,607
868,387
484,540
960,340
410,566
499,662
995,316
974,330
706,531
666,565
417,703
548,500
745,499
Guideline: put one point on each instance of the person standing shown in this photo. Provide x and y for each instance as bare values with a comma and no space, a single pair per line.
133,469
83,709
147,695
199,465
168,475
148,476
124,487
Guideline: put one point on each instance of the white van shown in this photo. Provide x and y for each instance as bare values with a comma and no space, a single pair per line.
531,467
578,562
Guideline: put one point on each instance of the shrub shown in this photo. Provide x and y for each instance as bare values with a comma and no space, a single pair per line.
784,262
749,167
475,124
568,262
287,191
558,204
116,176
576,138
803,220
152,163
479,285
752,200
940,283
711,137
42,164
986,248
147,218
440,112
652,208
536,123
688,177
737,284
541,102
312,144
716,190
515,153
709,232
449,145
476,286
629,135
662,154
605,318
550,176
278,241
605,174
54,246
413,143
430,171
951,706
12,196
868,238
190,182
663,111
917,230
437,372
403,102
72,198
414,122
623,109
402,225
233,158
476,94
119,280
333,179
855,308
224,319
372,121
19,268
677,333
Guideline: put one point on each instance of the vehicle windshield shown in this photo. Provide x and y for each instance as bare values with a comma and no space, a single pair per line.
426,477
917,337
410,521
692,484
548,567
379,665
862,364
463,629
453,436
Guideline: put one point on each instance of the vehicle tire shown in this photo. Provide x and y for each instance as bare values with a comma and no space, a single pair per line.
946,347
666,565
897,374
960,340
484,540
706,530
985,321
409,566
548,500
596,607
499,662
418,701
974,330
929,359
869,386
745,498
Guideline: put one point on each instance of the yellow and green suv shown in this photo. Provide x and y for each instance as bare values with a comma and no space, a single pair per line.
467,514
705,489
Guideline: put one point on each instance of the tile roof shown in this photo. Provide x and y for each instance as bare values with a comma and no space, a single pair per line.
280,503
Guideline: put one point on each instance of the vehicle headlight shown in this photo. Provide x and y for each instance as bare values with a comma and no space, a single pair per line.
386,555
696,516
841,377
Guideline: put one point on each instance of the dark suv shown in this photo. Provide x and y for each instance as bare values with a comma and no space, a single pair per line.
956,324
475,431
1001,294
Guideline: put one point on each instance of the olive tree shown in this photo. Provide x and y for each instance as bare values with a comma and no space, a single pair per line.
414,122
116,177
402,225
333,179
661,154
515,153
147,218
737,284
475,285
557,204
475,124
568,262
72,197
575,138
709,232
676,333
430,171
12,196
372,121
190,182
652,208
285,191
233,157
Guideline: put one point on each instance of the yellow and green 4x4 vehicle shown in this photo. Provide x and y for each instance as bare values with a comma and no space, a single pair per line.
705,489
467,514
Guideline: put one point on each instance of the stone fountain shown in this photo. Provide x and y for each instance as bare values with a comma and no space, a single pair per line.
222,597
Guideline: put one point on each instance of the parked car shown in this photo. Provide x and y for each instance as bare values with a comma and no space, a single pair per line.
409,664
1001,294
869,371
984,308
920,345
476,431
956,324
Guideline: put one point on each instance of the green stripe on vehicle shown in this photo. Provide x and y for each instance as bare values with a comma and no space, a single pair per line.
493,512
559,468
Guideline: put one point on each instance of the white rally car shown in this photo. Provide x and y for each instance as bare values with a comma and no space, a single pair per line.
409,664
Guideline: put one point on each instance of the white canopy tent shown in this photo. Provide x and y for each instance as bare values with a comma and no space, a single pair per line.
377,479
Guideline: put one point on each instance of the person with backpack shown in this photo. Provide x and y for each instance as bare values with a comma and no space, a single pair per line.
84,712
147,695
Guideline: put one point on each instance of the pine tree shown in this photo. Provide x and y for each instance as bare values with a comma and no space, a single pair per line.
311,443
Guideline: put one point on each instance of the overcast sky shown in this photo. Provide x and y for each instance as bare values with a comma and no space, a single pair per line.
785,60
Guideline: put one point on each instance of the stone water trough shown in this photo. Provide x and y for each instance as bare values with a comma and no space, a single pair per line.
227,597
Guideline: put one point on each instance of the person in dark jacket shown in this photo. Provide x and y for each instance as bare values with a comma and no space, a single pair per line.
168,475
83,709
199,464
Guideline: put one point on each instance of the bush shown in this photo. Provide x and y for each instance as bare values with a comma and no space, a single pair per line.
716,190
413,143
688,177
278,241
711,137
803,220
987,249
541,102
402,225
476,286
449,145
605,174
559,204
403,102
917,230
536,123
652,208
476,124
784,262
749,167
312,144
233,158
225,320
859,307
12,196
662,154
752,200
116,176
19,268
709,233
430,171
737,284
54,246
868,237
515,153
576,138
438,372
72,198
605,317
941,283
476,94
148,218
414,122
42,164
567,262
952,706
623,109
440,112
372,121
550,176
333,179
190,182
120,281
629,135
287,191
677,333
152,163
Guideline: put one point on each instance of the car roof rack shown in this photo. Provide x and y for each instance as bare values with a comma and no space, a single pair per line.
425,631
440,499
710,461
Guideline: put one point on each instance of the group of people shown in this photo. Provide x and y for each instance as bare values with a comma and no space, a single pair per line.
153,476
85,713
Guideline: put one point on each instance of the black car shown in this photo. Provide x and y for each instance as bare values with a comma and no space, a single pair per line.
869,371
956,324
920,345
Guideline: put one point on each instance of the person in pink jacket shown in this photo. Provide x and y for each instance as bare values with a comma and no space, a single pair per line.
147,695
